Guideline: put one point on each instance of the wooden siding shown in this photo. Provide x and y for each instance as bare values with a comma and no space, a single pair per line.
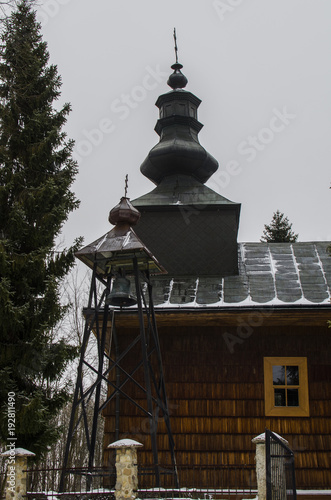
235,316
216,397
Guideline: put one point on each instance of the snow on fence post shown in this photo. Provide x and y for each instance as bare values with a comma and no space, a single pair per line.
17,461
261,473
126,468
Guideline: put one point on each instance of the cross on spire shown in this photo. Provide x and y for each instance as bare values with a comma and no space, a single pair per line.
126,185
177,80
176,48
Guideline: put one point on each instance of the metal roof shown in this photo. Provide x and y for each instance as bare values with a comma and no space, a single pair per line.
116,249
269,274
182,190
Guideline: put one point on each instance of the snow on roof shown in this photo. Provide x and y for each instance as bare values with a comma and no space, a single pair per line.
269,274
261,438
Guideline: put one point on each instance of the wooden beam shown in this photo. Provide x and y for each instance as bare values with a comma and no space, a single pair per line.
231,317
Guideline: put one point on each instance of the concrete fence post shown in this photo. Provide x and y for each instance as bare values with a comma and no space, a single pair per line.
261,476
17,462
126,468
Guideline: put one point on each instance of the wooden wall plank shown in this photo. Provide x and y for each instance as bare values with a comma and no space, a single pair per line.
216,397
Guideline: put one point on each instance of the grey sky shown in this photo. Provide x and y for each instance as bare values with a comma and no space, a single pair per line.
260,67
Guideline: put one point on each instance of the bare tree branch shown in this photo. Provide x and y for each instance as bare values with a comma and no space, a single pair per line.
7,6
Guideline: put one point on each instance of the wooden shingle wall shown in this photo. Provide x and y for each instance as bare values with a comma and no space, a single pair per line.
216,397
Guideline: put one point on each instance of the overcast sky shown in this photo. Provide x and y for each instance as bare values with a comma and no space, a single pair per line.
262,70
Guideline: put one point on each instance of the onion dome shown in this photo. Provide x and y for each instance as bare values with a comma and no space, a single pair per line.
124,213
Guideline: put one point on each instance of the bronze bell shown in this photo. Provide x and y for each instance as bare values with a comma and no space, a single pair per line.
120,295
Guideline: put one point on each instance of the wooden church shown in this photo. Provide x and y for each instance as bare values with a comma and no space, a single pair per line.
242,326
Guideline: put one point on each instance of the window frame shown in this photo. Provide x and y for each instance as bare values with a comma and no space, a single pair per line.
286,411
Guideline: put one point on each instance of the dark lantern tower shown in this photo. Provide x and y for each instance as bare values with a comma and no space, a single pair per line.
189,227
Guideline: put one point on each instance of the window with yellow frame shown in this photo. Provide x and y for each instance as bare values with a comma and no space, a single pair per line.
286,387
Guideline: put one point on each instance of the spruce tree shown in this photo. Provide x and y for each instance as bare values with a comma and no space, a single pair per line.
36,173
279,230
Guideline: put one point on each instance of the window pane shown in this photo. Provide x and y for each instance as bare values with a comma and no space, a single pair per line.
278,375
292,397
292,375
280,397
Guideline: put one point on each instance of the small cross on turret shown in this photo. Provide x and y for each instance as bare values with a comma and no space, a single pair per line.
176,48
126,185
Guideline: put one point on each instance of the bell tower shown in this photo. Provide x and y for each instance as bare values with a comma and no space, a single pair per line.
189,227
125,378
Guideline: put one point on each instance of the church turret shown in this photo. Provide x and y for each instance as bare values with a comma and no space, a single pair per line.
179,150
190,228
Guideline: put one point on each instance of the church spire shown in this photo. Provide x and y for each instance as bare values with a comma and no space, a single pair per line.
179,151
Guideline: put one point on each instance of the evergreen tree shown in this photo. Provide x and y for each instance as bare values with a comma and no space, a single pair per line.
279,230
36,173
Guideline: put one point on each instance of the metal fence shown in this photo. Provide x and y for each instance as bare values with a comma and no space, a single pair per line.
280,470
203,481
80,482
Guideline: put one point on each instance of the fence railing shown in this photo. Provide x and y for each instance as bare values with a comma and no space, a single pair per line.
79,482
203,481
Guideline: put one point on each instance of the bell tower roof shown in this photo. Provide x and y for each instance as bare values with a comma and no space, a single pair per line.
116,249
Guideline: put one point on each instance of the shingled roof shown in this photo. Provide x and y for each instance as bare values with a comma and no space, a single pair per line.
269,274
